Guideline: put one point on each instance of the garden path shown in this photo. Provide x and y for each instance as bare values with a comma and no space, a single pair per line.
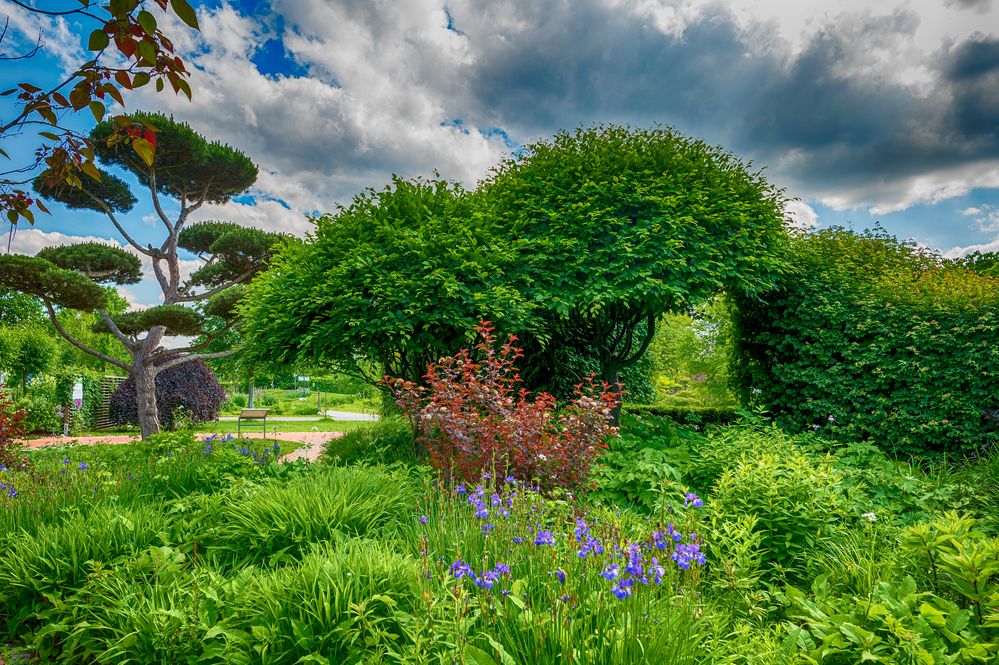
314,442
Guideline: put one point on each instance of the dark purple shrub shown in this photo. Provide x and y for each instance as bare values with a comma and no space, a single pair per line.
190,385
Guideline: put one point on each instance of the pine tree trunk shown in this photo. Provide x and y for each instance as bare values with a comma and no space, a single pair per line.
250,391
145,391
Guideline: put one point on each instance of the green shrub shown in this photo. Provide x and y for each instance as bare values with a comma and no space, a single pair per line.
237,401
799,504
728,447
50,565
688,415
896,623
274,522
387,441
340,604
875,339
149,609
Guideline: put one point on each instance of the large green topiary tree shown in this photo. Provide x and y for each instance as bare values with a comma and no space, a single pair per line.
190,170
617,226
393,281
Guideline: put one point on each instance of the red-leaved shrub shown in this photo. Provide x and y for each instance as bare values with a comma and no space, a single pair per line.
11,427
473,419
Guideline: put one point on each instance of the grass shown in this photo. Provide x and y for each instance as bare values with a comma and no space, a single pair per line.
229,427
304,403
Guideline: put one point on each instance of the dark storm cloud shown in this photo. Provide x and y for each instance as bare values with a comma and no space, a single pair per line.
845,125
976,5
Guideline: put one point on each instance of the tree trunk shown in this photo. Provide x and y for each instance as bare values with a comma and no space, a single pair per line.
145,391
250,391
611,377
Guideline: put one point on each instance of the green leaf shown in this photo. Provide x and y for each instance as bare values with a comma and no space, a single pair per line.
147,21
98,40
185,12
98,109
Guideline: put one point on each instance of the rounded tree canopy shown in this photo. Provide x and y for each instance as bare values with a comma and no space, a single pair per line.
186,165
99,262
177,319
397,275
108,193
640,220
39,277
237,251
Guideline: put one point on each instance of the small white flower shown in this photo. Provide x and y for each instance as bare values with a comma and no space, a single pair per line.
870,517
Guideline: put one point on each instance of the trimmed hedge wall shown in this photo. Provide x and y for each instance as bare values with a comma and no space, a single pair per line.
872,338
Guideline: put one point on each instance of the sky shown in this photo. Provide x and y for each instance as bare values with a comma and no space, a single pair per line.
864,112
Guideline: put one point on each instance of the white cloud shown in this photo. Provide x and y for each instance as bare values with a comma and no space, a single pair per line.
801,215
893,195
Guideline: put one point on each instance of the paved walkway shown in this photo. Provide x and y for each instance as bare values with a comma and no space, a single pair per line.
314,442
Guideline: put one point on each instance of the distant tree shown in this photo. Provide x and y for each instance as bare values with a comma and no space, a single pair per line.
617,226
18,309
25,351
194,172
394,281
123,31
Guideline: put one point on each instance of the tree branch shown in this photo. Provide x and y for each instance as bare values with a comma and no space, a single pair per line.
150,252
218,289
113,327
209,338
650,332
156,201
160,277
80,345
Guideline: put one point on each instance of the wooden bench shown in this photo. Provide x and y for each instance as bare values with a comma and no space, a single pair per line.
250,415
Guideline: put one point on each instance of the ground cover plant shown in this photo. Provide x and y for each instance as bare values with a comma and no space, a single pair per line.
724,544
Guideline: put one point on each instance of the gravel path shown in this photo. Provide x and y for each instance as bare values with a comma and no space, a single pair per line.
315,442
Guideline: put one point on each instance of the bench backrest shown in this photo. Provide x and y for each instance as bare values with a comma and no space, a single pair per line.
253,413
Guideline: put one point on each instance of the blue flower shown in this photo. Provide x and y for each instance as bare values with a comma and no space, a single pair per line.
544,538
687,553
65,460
510,480
482,513
590,546
502,568
423,519
460,489
487,527
517,540
691,500
487,580
560,575
461,569
83,466
610,572
621,592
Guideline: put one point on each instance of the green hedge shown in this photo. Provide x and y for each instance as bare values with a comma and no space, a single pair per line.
687,415
872,338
